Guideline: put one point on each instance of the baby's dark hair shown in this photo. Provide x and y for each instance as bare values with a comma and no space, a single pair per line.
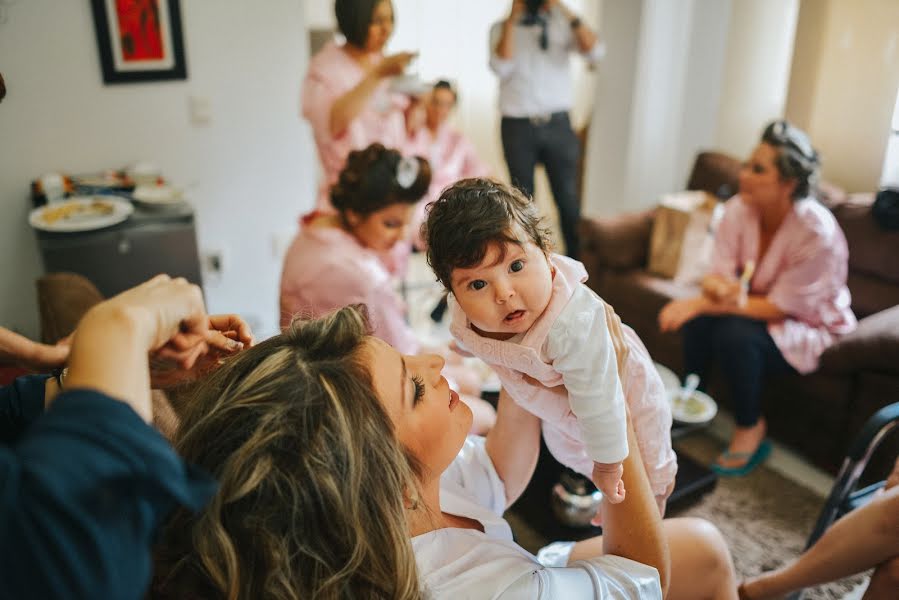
371,181
469,216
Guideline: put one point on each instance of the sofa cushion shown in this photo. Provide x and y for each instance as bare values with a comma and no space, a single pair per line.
873,270
716,173
619,243
63,298
873,346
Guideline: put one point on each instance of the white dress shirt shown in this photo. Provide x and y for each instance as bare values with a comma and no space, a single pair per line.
466,563
536,82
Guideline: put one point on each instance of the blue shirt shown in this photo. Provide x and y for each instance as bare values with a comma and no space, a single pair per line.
84,487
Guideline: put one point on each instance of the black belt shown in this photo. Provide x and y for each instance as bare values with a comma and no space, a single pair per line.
538,120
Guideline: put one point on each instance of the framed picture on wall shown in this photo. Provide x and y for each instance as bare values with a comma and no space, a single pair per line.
139,40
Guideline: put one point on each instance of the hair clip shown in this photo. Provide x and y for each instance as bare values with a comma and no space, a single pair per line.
407,172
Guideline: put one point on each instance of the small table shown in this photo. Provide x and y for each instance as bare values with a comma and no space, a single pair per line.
534,507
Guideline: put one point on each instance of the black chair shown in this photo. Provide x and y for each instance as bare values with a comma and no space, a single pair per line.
845,495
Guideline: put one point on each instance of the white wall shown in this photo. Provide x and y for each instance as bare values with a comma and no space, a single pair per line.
249,173
853,92
756,72
657,99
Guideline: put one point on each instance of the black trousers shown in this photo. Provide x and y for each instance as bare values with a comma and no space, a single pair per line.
552,143
743,350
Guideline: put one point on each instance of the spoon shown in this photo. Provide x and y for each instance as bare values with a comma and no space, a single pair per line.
691,382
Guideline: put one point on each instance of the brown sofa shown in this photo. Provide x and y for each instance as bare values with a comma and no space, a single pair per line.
815,414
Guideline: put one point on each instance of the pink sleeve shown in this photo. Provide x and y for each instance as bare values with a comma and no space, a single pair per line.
725,257
812,278
319,95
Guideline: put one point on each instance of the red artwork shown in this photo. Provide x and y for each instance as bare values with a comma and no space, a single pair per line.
139,29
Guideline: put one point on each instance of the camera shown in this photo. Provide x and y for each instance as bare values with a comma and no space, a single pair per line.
532,7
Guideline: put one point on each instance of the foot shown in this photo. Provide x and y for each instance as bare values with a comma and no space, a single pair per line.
743,445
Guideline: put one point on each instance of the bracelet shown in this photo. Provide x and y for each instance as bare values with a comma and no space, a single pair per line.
575,22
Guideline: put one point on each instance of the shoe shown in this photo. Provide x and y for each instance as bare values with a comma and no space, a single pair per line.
753,459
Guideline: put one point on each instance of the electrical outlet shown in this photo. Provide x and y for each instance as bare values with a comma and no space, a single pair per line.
212,263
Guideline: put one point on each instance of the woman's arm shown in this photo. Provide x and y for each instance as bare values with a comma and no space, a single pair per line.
19,350
109,350
632,528
347,107
677,312
513,445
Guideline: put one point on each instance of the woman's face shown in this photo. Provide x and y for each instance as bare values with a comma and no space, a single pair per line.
761,185
429,419
382,229
440,105
381,26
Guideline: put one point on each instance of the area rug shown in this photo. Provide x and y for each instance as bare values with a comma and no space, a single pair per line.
765,518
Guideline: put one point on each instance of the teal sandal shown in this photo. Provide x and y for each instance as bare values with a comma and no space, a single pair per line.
753,459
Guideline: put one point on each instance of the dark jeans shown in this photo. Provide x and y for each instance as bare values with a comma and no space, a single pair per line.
743,350
554,144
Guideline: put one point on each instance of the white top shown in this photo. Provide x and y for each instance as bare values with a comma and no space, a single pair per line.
534,81
466,563
579,346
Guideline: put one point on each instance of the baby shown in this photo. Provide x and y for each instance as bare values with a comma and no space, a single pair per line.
528,314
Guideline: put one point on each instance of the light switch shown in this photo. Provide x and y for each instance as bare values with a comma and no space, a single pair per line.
200,111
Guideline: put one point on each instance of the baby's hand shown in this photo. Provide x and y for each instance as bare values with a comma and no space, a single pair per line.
607,477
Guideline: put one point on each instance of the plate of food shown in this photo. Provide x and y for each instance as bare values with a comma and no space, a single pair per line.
157,195
669,378
696,407
81,213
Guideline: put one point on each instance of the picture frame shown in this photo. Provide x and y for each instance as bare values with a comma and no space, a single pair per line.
139,40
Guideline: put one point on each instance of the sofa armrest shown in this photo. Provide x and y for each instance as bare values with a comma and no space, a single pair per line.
873,346
619,243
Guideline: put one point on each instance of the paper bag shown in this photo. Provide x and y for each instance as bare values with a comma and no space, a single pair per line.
681,242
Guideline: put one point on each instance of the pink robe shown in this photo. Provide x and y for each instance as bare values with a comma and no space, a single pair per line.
332,73
451,156
326,268
803,273
543,394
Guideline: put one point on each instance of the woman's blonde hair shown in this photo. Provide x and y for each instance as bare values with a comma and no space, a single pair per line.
312,479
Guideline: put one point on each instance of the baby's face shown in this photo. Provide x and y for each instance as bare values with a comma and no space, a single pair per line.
506,293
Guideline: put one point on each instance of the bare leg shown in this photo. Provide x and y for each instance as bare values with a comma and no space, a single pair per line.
862,539
701,566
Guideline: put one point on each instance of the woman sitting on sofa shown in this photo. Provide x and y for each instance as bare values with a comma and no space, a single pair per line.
776,296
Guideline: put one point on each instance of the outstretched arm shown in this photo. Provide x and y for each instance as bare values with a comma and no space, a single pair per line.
514,445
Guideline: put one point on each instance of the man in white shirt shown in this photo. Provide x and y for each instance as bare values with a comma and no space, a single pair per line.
530,52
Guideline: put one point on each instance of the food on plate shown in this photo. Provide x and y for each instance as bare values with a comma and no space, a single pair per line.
690,406
76,208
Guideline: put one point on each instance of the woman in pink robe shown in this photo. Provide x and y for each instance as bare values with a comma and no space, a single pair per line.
339,259
346,96
776,295
451,155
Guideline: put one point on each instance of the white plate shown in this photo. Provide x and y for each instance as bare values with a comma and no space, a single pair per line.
81,213
157,194
669,378
699,409
409,85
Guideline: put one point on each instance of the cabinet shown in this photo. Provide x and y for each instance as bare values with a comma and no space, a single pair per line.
116,258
